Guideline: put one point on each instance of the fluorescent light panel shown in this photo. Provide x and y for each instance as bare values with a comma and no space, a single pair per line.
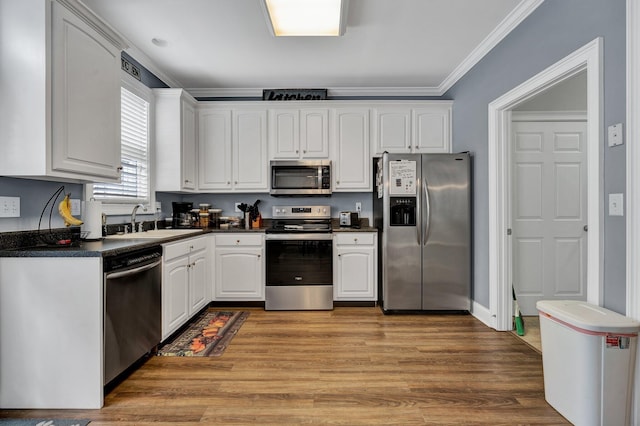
305,17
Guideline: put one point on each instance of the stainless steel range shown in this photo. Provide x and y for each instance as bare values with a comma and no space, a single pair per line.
299,259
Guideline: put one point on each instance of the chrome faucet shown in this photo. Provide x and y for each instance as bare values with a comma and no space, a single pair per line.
133,216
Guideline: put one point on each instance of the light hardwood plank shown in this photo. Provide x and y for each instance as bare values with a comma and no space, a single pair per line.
352,366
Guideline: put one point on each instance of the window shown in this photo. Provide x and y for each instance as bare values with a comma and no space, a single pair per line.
135,184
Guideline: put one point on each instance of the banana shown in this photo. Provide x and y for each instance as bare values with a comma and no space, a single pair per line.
64,208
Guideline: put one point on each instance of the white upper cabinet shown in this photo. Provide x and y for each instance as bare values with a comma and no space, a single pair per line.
60,85
299,133
250,158
175,136
214,149
412,128
232,147
350,148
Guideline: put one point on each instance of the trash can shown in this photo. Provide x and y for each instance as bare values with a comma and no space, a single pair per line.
588,356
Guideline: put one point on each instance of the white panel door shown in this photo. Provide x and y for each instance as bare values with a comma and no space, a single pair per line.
549,212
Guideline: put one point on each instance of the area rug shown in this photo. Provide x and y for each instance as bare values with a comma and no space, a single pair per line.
208,335
43,422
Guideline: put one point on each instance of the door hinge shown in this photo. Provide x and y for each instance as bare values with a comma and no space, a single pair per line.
508,231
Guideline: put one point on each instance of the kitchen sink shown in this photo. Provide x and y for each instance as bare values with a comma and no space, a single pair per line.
154,234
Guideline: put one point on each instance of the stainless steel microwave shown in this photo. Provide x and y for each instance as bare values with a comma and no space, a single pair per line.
300,177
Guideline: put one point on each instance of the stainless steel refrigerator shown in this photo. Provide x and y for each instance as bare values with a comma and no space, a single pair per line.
422,209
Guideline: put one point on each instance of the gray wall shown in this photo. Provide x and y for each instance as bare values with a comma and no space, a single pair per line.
338,201
553,31
33,198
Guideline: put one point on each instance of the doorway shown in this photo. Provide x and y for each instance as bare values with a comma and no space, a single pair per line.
548,197
585,60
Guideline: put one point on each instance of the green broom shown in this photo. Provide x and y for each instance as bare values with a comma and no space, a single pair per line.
517,315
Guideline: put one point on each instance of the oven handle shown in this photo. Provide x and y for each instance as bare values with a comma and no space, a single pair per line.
299,236
114,275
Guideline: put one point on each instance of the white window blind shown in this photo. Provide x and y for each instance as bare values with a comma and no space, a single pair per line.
134,178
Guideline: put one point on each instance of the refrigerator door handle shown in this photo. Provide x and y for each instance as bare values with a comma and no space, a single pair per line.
427,215
418,219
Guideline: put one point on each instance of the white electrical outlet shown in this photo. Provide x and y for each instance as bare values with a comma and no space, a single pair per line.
9,206
237,210
359,207
615,134
75,207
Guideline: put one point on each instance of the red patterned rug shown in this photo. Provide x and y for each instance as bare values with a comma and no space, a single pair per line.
208,335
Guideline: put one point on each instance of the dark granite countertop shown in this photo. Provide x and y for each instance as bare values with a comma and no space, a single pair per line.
25,243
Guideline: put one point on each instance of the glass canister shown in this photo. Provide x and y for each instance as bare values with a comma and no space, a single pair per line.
214,217
204,207
204,219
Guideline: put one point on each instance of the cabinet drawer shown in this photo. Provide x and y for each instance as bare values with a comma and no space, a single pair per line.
236,240
182,248
354,238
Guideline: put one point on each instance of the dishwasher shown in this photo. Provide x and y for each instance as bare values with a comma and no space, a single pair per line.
132,308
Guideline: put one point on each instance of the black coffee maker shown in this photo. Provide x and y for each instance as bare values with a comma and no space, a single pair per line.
182,217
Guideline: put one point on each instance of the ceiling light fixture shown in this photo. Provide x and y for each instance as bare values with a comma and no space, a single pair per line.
306,17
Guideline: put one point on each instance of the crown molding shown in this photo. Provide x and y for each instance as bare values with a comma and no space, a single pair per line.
78,8
508,24
332,92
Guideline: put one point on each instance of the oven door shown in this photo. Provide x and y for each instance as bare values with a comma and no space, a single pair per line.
299,269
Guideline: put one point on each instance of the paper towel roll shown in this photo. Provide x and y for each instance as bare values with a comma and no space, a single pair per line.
92,218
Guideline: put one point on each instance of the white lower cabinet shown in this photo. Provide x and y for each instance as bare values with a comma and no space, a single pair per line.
355,263
239,267
184,282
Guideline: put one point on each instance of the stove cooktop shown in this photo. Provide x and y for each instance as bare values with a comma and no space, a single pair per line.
301,219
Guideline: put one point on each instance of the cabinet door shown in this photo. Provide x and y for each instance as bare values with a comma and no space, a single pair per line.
214,148
432,129
188,146
239,273
250,160
175,295
314,133
355,274
351,149
86,99
392,130
198,281
284,133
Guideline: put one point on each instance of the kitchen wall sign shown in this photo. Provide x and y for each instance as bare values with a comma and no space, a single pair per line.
294,94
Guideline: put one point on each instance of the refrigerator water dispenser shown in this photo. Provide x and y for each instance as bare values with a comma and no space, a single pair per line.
403,211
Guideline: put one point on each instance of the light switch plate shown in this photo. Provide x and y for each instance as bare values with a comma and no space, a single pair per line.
616,206
615,134
75,207
9,206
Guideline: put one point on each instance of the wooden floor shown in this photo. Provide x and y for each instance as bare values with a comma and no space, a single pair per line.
352,366
531,332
